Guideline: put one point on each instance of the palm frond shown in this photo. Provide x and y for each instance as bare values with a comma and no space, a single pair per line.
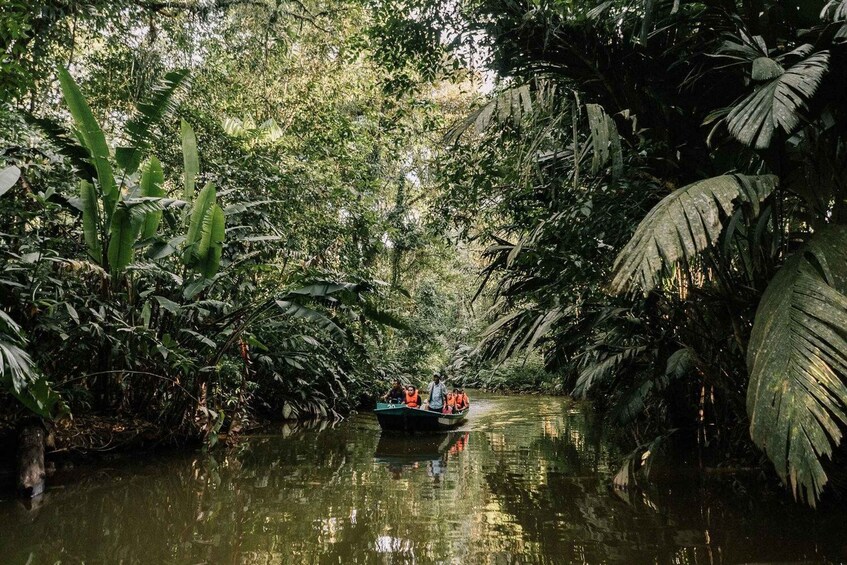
797,358
777,104
512,105
305,313
605,140
684,224
149,113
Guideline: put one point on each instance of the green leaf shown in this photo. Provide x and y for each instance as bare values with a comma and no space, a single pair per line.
383,317
190,159
8,177
797,358
93,139
91,221
149,113
210,247
765,68
684,224
123,234
512,105
205,201
777,104
605,140
167,304
152,179
299,311
162,249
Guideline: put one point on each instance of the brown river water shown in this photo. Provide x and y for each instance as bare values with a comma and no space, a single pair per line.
527,480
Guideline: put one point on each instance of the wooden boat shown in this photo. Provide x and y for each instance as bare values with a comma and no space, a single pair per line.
401,418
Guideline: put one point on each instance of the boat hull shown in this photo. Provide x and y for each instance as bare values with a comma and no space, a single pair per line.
392,417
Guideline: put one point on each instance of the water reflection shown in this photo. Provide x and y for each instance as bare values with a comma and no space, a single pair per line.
525,482
401,453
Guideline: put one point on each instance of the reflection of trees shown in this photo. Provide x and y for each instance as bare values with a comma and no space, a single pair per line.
526,489
308,498
556,488
550,485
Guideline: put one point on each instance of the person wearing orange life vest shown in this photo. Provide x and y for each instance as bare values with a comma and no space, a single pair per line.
450,405
461,399
413,398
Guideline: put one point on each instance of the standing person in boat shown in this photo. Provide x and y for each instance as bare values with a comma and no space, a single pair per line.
397,394
437,394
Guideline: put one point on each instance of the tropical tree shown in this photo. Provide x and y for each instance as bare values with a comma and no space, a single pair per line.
729,122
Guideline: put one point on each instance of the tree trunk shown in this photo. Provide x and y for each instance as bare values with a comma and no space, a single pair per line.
31,471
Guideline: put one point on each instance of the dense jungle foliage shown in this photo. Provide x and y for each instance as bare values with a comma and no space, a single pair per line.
214,212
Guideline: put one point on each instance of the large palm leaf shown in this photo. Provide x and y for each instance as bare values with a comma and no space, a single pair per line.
149,113
797,358
778,103
684,224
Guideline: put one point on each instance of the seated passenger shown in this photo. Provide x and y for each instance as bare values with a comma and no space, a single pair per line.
397,394
450,405
463,398
413,399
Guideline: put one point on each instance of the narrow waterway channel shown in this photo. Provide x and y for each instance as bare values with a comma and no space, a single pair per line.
526,481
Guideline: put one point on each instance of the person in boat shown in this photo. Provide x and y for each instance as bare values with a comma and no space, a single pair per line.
437,394
461,400
397,394
413,397
450,405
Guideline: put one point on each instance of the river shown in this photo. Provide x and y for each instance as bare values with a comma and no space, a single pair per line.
526,481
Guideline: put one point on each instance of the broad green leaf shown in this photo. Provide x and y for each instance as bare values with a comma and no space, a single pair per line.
152,179
93,139
205,201
605,140
162,249
797,359
91,221
777,105
210,246
765,68
122,238
684,224
190,159
8,177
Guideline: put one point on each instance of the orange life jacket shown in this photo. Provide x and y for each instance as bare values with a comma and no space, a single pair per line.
413,400
451,399
462,401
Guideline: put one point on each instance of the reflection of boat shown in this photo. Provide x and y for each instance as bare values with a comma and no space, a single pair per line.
399,417
401,450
